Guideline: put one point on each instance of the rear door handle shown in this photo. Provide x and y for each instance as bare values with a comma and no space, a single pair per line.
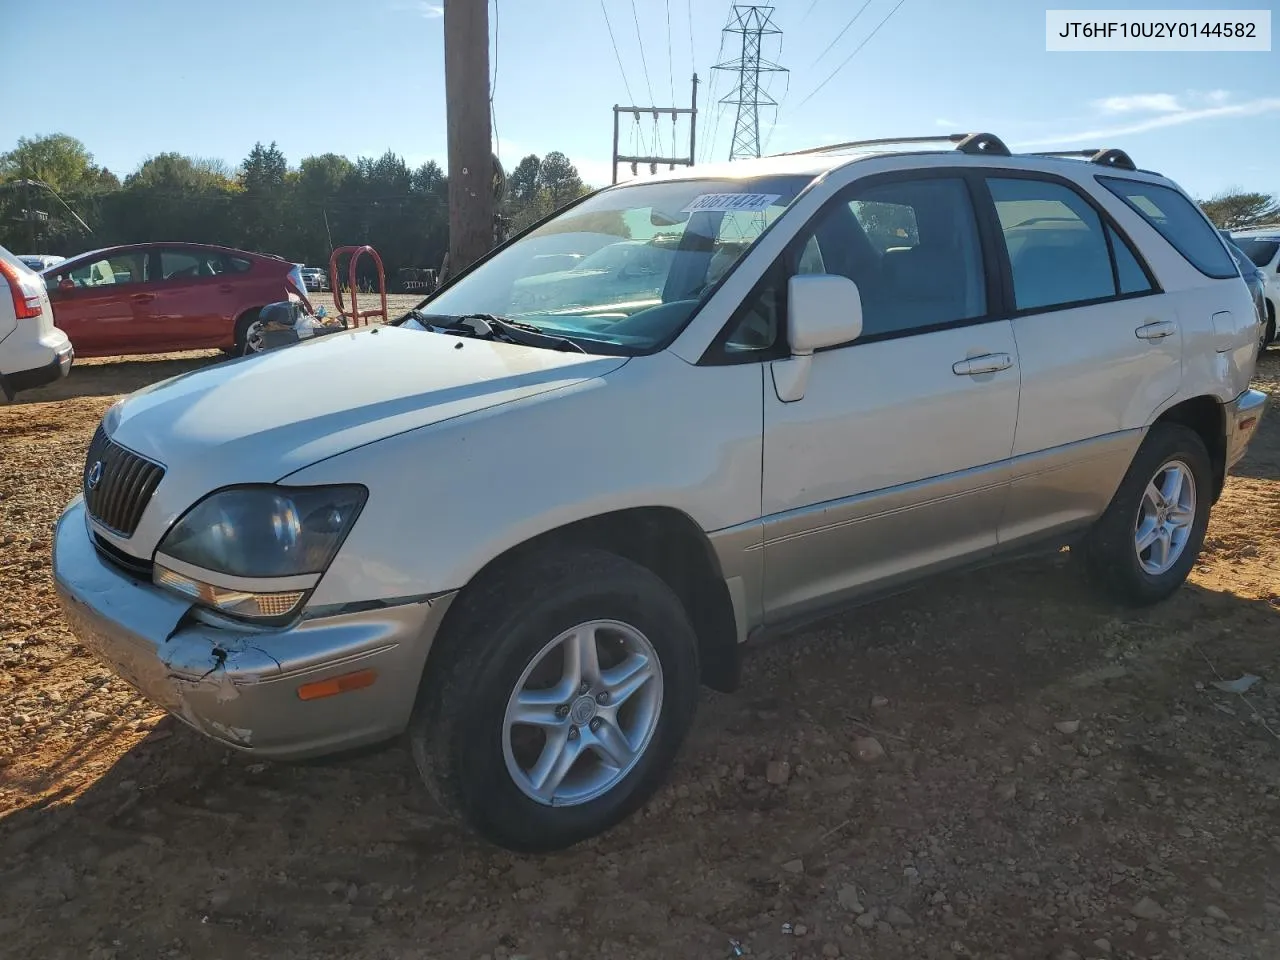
142,297
987,363
226,288
1157,330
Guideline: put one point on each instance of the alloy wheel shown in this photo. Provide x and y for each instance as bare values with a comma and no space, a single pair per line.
583,713
1166,517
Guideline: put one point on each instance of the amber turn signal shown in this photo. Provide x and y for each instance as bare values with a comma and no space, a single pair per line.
336,685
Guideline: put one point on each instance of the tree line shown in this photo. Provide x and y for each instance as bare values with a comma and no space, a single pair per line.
263,205
51,190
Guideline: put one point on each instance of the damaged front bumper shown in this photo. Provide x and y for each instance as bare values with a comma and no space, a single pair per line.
242,686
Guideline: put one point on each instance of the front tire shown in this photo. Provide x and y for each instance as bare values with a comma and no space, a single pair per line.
1145,544
557,698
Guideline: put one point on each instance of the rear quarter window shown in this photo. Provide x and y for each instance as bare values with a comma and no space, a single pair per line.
1178,220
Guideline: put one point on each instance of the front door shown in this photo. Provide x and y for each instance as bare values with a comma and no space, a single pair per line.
1100,348
894,463
96,301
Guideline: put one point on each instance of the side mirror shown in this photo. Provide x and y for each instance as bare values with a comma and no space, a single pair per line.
822,311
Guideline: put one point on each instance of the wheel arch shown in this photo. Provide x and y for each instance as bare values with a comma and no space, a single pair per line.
1205,415
664,540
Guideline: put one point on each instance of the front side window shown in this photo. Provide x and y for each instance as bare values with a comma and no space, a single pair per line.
108,271
1056,244
624,270
1176,219
912,248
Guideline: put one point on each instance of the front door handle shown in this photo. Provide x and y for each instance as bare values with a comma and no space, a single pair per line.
226,288
987,363
142,297
1157,330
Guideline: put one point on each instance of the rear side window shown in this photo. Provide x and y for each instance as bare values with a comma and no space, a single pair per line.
238,265
1056,244
1130,276
1176,219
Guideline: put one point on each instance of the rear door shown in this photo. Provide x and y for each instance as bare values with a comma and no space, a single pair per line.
192,295
1100,348
97,301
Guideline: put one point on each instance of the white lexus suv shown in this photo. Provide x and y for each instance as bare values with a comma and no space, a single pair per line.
518,534
33,351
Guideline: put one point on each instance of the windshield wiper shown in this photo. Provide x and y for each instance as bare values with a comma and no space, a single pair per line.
488,326
518,332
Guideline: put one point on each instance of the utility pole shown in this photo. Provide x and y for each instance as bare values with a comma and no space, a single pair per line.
754,23
466,84
673,112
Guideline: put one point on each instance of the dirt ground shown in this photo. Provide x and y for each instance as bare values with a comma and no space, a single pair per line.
1062,780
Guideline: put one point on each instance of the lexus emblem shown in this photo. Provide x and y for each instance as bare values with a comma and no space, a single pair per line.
95,475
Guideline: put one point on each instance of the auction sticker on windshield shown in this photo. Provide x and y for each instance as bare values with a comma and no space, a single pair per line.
724,202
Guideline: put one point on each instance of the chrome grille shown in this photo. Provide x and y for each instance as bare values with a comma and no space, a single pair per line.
123,484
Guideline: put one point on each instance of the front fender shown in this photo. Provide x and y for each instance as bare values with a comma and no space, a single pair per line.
446,499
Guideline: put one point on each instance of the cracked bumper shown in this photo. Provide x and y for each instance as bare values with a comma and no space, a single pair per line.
241,687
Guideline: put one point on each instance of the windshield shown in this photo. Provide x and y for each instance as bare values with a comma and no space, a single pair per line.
1259,250
623,271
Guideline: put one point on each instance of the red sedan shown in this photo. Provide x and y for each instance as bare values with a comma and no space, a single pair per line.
162,297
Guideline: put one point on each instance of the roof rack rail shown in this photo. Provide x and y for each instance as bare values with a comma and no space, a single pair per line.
1107,157
965,142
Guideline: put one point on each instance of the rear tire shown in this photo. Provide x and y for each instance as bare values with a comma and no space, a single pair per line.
481,763
243,347
1162,502
1269,331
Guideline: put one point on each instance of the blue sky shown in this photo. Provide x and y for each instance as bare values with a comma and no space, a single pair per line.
142,76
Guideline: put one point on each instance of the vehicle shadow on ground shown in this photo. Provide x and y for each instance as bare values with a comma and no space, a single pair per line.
111,376
294,853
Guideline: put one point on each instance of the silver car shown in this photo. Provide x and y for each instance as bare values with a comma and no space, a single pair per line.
519,536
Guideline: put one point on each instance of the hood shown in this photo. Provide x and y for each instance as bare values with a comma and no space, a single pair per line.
260,418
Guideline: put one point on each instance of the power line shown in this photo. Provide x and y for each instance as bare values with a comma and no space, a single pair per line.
493,86
809,11
693,61
844,31
644,63
671,70
621,68
846,60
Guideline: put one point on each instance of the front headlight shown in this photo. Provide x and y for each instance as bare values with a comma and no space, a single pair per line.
256,551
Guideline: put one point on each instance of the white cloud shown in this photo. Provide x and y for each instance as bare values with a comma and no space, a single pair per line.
1218,96
1176,118
945,124
428,11
1140,103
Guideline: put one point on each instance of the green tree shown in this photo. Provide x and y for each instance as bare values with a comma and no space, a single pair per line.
59,160
522,185
1236,209
560,179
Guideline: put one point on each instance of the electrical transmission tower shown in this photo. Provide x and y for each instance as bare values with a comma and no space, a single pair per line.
754,24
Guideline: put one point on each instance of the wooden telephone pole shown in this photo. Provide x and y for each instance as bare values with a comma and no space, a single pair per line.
466,84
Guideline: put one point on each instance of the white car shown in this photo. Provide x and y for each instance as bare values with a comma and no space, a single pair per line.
520,539
33,351
40,261
1262,246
